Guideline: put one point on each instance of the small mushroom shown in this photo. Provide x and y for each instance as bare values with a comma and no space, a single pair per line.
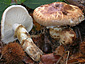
57,16
15,21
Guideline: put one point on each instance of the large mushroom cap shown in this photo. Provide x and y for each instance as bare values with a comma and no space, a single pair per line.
58,14
12,15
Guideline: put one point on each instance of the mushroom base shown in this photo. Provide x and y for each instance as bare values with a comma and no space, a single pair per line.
63,35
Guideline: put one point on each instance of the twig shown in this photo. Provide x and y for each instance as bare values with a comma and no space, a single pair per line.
1,49
1,57
74,62
79,34
67,57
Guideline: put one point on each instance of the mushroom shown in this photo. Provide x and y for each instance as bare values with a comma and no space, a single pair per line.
56,16
55,32
63,35
16,24
67,36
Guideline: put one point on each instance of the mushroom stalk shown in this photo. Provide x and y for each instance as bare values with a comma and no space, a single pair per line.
25,40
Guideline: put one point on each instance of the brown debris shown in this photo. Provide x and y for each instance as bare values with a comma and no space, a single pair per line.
76,58
49,58
59,50
38,40
13,53
80,3
28,60
82,48
47,47
81,60
46,58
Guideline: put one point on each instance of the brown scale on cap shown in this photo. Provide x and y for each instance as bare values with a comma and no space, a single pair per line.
58,14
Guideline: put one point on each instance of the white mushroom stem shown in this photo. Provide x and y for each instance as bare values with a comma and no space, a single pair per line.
25,40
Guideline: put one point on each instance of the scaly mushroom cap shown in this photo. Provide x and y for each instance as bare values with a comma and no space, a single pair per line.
58,14
12,15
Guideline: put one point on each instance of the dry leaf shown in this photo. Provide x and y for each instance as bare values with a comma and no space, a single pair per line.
77,58
82,48
49,58
59,50
81,60
28,60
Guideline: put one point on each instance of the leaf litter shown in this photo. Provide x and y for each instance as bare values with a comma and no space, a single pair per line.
54,53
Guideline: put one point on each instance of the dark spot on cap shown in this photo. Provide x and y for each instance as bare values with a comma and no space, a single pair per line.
65,12
57,5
